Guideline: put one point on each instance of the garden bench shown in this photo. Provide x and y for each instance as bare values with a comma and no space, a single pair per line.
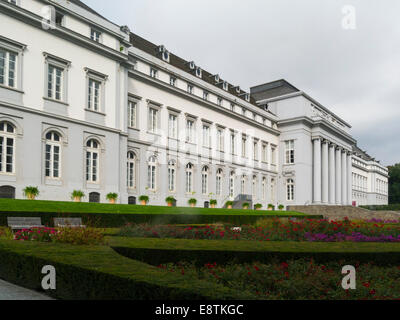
19,223
68,223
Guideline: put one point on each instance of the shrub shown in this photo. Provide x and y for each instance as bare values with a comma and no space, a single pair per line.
6,233
144,198
229,203
271,206
170,199
213,202
80,236
77,195
245,205
281,207
258,206
112,196
31,192
36,234
192,201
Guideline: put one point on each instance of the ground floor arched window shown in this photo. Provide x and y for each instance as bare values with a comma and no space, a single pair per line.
94,197
7,192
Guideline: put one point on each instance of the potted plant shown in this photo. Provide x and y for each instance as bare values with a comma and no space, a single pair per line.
271,207
112,197
258,206
192,202
143,200
170,201
31,192
77,195
281,207
245,205
229,204
213,203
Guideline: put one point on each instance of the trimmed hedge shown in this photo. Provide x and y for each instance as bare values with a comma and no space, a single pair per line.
85,273
115,220
390,207
160,251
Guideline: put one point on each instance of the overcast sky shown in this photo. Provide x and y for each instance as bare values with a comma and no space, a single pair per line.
353,72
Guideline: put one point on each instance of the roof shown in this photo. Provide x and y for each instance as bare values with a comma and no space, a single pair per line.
272,89
182,64
86,7
362,154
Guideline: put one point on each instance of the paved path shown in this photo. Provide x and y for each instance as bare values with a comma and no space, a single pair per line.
10,291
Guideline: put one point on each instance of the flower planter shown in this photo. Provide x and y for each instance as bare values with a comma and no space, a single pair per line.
143,202
31,197
245,208
112,201
212,206
258,209
169,204
77,199
230,207
192,205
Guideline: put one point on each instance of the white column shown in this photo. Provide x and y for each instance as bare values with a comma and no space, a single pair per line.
332,188
349,180
338,176
325,172
344,178
317,171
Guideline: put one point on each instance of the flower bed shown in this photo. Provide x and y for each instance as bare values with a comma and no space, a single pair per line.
275,230
296,279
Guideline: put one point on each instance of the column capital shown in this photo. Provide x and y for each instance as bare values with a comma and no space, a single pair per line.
316,138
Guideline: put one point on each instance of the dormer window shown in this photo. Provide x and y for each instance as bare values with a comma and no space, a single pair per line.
192,65
225,86
247,97
237,89
198,72
95,35
164,53
216,78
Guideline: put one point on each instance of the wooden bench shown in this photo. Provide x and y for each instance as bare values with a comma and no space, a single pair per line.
19,223
68,223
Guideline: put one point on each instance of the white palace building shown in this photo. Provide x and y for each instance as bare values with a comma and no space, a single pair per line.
86,104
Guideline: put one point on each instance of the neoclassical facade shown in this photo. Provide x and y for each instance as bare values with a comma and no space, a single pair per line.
85,104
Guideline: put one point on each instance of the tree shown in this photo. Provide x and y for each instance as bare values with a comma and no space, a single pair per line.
394,184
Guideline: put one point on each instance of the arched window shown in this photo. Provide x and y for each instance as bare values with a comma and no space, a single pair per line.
272,190
92,160
204,180
7,192
189,178
219,182
53,155
7,147
171,176
243,185
94,197
131,168
254,187
232,184
290,190
152,173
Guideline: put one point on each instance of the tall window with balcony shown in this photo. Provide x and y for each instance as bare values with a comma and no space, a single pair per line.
92,161
220,139
55,83
206,136
264,153
171,176
190,131
152,174
232,184
244,142
189,178
255,150
204,180
232,143
289,152
53,155
94,95
290,189
131,170
153,120
7,148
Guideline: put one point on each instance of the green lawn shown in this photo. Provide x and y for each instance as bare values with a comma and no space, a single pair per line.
10,205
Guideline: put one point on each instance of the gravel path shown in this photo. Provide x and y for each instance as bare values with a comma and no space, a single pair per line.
10,291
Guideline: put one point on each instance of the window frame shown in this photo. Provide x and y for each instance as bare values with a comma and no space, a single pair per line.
5,135
56,63
131,178
53,144
89,167
289,152
92,75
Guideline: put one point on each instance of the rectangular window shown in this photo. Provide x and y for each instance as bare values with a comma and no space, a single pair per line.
153,120
206,136
132,114
289,152
8,65
244,142
264,154
94,95
173,126
59,19
220,140
190,131
255,150
172,81
190,88
55,83
95,35
219,101
153,73
233,140
273,156
205,95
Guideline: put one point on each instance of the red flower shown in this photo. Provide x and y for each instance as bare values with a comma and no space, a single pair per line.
372,292
366,284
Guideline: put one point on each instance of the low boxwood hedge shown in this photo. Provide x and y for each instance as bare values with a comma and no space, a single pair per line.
160,251
390,207
85,273
115,220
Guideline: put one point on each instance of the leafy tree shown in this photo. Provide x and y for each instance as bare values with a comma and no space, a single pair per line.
394,184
